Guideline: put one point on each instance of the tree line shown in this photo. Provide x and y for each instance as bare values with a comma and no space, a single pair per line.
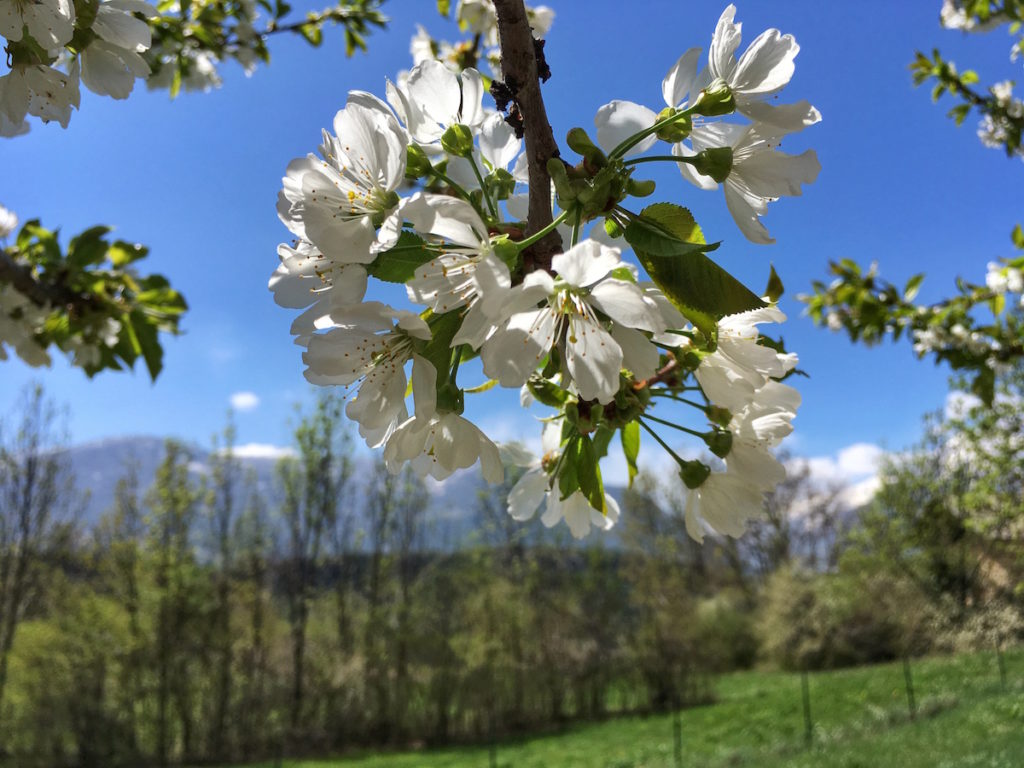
202,621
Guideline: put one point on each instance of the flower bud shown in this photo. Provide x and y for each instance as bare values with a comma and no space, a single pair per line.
506,250
458,140
719,442
501,183
417,164
613,228
716,99
715,162
640,187
563,187
718,415
580,143
674,132
693,473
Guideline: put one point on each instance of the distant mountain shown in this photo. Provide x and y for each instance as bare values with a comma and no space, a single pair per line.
98,466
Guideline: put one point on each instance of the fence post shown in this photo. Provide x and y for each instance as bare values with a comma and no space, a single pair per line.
805,690
677,736
908,681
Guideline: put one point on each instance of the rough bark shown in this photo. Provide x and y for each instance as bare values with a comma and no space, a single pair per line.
519,69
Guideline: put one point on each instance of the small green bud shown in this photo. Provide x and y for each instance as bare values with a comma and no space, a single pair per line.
501,183
450,399
580,143
613,228
640,187
716,99
715,162
693,473
417,164
719,416
507,251
563,187
458,140
674,132
719,442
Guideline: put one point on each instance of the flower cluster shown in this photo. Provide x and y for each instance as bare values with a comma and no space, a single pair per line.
51,48
479,19
743,157
416,190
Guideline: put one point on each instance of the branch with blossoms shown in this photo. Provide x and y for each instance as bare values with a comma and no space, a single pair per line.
514,291
1002,114
87,301
978,332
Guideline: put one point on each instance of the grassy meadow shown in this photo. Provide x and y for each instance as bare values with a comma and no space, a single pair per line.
964,717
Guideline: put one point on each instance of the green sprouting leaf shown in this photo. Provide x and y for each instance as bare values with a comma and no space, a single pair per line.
959,113
997,304
313,33
1018,237
913,286
281,9
669,244
175,81
438,350
969,77
147,341
774,289
568,479
630,434
666,229
122,253
89,247
588,472
444,7
399,264
984,385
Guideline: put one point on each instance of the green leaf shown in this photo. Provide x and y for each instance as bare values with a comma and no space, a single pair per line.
913,286
669,244
1018,237
122,253
438,350
89,247
997,304
568,479
774,289
148,343
630,434
313,33
444,7
399,264
588,472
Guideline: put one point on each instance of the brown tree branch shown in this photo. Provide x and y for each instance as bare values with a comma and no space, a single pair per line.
519,69
39,293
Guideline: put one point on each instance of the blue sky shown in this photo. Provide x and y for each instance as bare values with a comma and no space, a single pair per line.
196,179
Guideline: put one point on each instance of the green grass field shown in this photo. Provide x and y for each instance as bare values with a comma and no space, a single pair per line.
861,720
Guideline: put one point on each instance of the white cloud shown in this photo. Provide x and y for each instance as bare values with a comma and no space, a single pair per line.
244,401
262,451
853,470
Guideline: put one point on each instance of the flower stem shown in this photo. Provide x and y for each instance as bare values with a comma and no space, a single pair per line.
576,226
522,245
483,189
635,139
458,188
660,158
679,460
680,427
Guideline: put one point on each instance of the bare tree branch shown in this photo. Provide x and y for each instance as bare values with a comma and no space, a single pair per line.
519,68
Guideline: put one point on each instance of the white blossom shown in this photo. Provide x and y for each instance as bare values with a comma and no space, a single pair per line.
760,174
584,287
51,23
111,62
336,201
